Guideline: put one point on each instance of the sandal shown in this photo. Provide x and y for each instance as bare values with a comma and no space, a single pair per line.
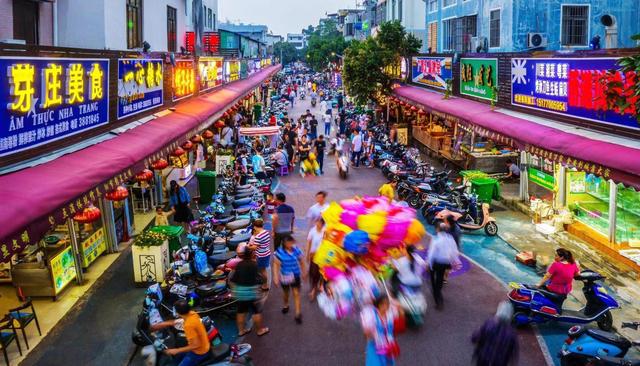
246,331
285,309
298,319
265,331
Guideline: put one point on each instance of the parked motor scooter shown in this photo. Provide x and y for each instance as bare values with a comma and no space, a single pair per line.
587,346
535,305
470,220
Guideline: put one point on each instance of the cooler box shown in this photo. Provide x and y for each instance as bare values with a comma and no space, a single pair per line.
150,263
173,233
206,185
486,189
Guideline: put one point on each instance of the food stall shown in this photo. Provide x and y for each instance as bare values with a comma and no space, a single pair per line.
483,150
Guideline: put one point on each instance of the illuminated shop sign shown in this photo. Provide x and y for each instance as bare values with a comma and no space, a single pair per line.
211,42
139,86
184,79
431,71
47,99
478,76
571,87
231,70
211,73
190,41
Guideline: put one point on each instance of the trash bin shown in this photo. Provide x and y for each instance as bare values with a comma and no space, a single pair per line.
257,112
173,233
486,189
206,184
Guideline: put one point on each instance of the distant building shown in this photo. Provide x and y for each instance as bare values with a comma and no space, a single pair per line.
299,40
253,31
410,13
519,25
272,39
27,22
350,23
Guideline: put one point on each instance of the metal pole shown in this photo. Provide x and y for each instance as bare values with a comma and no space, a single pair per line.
76,251
106,207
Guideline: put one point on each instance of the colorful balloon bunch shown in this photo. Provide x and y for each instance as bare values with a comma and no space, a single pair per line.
362,235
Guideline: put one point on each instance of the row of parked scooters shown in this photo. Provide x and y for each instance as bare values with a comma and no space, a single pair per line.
428,190
199,274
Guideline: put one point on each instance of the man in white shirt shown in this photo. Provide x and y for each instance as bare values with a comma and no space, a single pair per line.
225,136
443,253
356,147
315,212
323,106
327,124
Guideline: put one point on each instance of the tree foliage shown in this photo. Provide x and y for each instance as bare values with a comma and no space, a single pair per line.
365,61
288,52
324,45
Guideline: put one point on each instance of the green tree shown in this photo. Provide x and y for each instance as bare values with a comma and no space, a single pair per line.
287,51
365,62
324,45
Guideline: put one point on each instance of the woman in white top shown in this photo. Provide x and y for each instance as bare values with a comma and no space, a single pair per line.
443,252
314,238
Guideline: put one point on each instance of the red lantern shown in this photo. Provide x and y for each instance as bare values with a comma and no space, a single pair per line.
177,152
422,112
88,215
159,164
117,194
207,134
144,175
219,124
187,145
196,139
413,108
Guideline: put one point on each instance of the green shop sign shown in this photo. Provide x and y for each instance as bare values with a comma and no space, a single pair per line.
542,179
478,76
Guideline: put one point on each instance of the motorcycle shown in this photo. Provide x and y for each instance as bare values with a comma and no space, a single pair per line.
470,220
536,305
314,101
586,346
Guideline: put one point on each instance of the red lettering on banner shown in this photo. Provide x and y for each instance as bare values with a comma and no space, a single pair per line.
574,88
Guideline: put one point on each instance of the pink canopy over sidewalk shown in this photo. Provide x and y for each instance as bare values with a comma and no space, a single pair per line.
623,161
34,197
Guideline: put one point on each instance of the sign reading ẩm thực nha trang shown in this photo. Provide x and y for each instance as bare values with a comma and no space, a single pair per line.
48,99
574,87
140,85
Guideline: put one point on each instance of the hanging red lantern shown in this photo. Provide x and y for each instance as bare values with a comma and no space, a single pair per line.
413,108
196,139
87,215
159,164
187,145
144,175
117,194
207,134
177,152
422,112
219,124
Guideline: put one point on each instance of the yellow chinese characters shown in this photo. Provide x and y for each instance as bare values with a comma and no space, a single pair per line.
75,84
52,86
21,78
95,75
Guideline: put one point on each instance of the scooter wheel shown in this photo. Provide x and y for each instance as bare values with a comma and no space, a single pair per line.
414,202
520,319
605,321
491,228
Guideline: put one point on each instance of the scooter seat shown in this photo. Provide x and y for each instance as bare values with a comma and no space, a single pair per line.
235,240
223,220
237,224
208,289
242,202
424,187
218,259
244,186
611,338
220,351
243,195
243,210
557,298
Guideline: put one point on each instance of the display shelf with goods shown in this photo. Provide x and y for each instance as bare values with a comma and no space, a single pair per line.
588,200
435,132
483,153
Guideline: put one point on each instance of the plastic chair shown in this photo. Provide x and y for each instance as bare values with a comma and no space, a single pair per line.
23,318
284,170
8,334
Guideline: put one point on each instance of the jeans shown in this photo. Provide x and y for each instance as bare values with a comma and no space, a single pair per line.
437,280
191,359
327,129
357,155
320,159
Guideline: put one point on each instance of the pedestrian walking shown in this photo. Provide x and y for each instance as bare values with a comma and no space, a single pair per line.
320,145
315,211
356,146
282,221
454,230
180,201
443,253
378,325
314,238
496,342
326,119
245,281
260,243
288,269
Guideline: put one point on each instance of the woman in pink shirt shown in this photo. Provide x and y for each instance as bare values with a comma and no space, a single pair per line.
560,275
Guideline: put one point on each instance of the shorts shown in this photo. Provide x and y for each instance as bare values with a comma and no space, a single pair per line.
264,262
295,284
244,307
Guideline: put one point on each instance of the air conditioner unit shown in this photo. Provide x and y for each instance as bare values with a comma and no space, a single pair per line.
536,40
479,44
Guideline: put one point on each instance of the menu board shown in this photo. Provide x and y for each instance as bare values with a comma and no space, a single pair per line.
92,247
63,269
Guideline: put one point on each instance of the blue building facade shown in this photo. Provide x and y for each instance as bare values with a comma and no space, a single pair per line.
521,25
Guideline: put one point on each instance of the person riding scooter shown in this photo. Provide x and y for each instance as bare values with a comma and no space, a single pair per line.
314,98
560,275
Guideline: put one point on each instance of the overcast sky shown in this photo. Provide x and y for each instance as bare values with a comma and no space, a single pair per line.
281,16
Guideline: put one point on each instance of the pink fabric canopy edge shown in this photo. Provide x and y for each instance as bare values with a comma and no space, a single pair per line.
625,160
32,194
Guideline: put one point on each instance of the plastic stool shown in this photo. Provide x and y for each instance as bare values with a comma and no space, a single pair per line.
284,170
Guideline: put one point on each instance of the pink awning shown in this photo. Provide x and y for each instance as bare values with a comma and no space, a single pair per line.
260,131
33,198
623,161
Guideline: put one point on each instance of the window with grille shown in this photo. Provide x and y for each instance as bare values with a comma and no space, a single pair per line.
575,25
446,3
458,32
433,37
134,23
494,28
172,27
433,5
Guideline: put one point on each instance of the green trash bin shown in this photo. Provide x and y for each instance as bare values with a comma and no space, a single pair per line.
173,232
206,184
486,189
257,112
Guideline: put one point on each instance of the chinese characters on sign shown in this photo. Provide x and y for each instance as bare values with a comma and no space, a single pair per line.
184,79
478,76
571,87
139,86
211,74
431,71
46,99
231,70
